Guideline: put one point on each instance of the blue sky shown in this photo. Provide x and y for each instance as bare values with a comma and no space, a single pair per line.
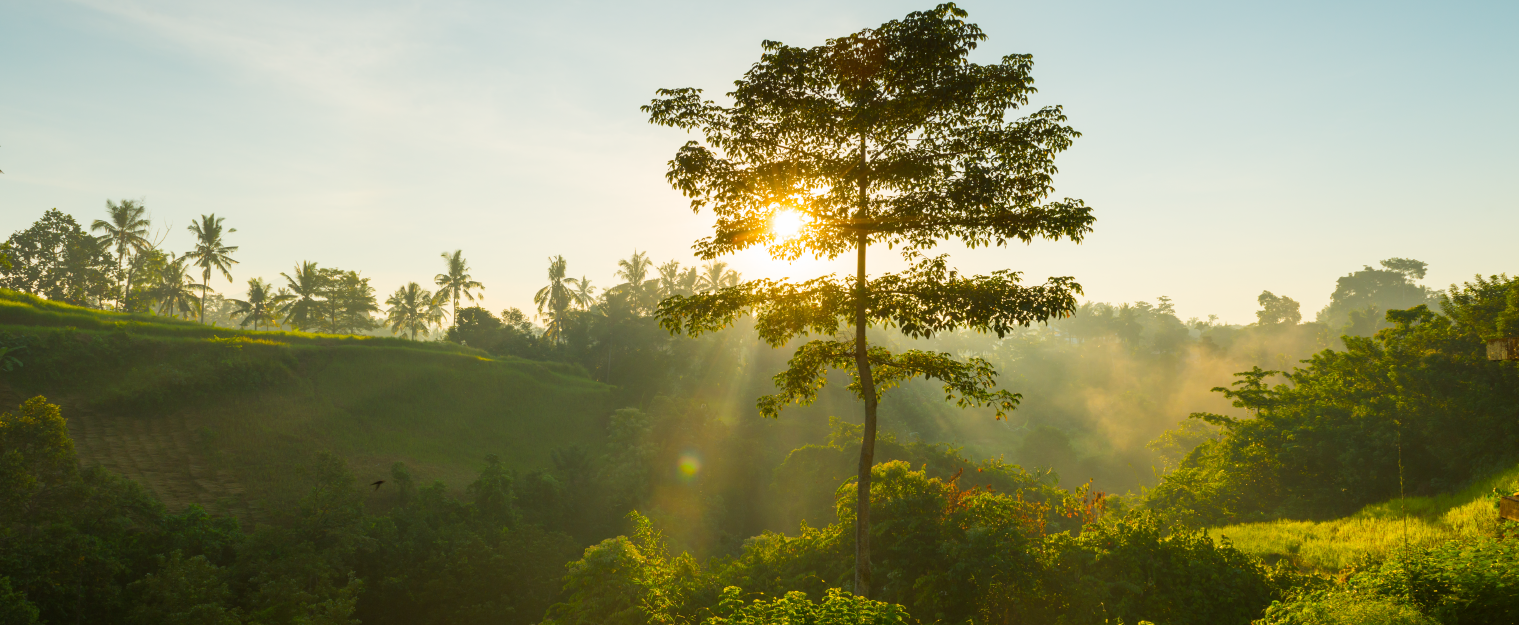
1228,148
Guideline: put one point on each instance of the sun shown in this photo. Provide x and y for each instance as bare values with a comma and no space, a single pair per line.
787,223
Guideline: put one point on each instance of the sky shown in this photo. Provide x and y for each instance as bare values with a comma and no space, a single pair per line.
1227,149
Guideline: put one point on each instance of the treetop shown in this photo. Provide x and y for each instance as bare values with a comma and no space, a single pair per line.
889,132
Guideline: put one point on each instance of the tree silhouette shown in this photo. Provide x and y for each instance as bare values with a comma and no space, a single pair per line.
887,136
583,293
555,298
128,233
258,308
637,286
716,275
347,301
176,288
413,309
302,306
210,252
455,282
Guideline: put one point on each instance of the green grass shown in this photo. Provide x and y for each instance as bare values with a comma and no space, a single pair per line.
181,406
1376,530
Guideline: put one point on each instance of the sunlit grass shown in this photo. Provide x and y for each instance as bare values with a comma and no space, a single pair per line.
1375,530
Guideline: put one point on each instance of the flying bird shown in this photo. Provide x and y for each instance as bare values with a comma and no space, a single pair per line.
377,484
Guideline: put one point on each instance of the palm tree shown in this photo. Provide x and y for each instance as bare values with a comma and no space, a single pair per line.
176,287
686,283
669,272
456,283
413,308
301,307
210,252
584,294
128,232
634,271
716,275
557,297
258,308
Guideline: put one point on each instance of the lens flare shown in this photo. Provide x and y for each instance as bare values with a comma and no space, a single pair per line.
786,224
688,465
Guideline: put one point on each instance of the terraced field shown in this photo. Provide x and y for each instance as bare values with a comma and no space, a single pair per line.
162,453
232,420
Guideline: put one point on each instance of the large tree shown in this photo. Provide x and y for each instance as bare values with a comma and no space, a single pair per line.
888,136
127,231
1357,306
56,259
210,253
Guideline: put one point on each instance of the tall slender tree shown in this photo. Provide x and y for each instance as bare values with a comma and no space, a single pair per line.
555,298
887,136
210,253
128,233
455,282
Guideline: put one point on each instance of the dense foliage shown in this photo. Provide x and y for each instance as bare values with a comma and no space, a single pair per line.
1416,408
946,554
87,546
1455,583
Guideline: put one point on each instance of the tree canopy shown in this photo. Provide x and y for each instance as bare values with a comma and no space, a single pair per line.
886,136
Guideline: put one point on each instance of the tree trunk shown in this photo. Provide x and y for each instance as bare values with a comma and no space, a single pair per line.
205,278
121,304
869,394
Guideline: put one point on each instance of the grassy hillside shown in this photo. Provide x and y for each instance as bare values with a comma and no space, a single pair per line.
1376,530
228,418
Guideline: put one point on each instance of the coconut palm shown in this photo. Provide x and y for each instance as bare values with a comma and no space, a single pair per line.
669,273
558,295
634,270
456,282
413,309
127,231
686,284
210,252
259,307
583,293
637,285
555,298
716,275
676,281
176,287
301,307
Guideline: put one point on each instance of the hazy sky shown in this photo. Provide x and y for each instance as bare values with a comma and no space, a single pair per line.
1228,147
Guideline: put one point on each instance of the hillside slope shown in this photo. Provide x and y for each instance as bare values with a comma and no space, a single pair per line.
1375,531
228,419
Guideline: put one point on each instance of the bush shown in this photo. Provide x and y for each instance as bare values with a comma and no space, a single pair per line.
1460,582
